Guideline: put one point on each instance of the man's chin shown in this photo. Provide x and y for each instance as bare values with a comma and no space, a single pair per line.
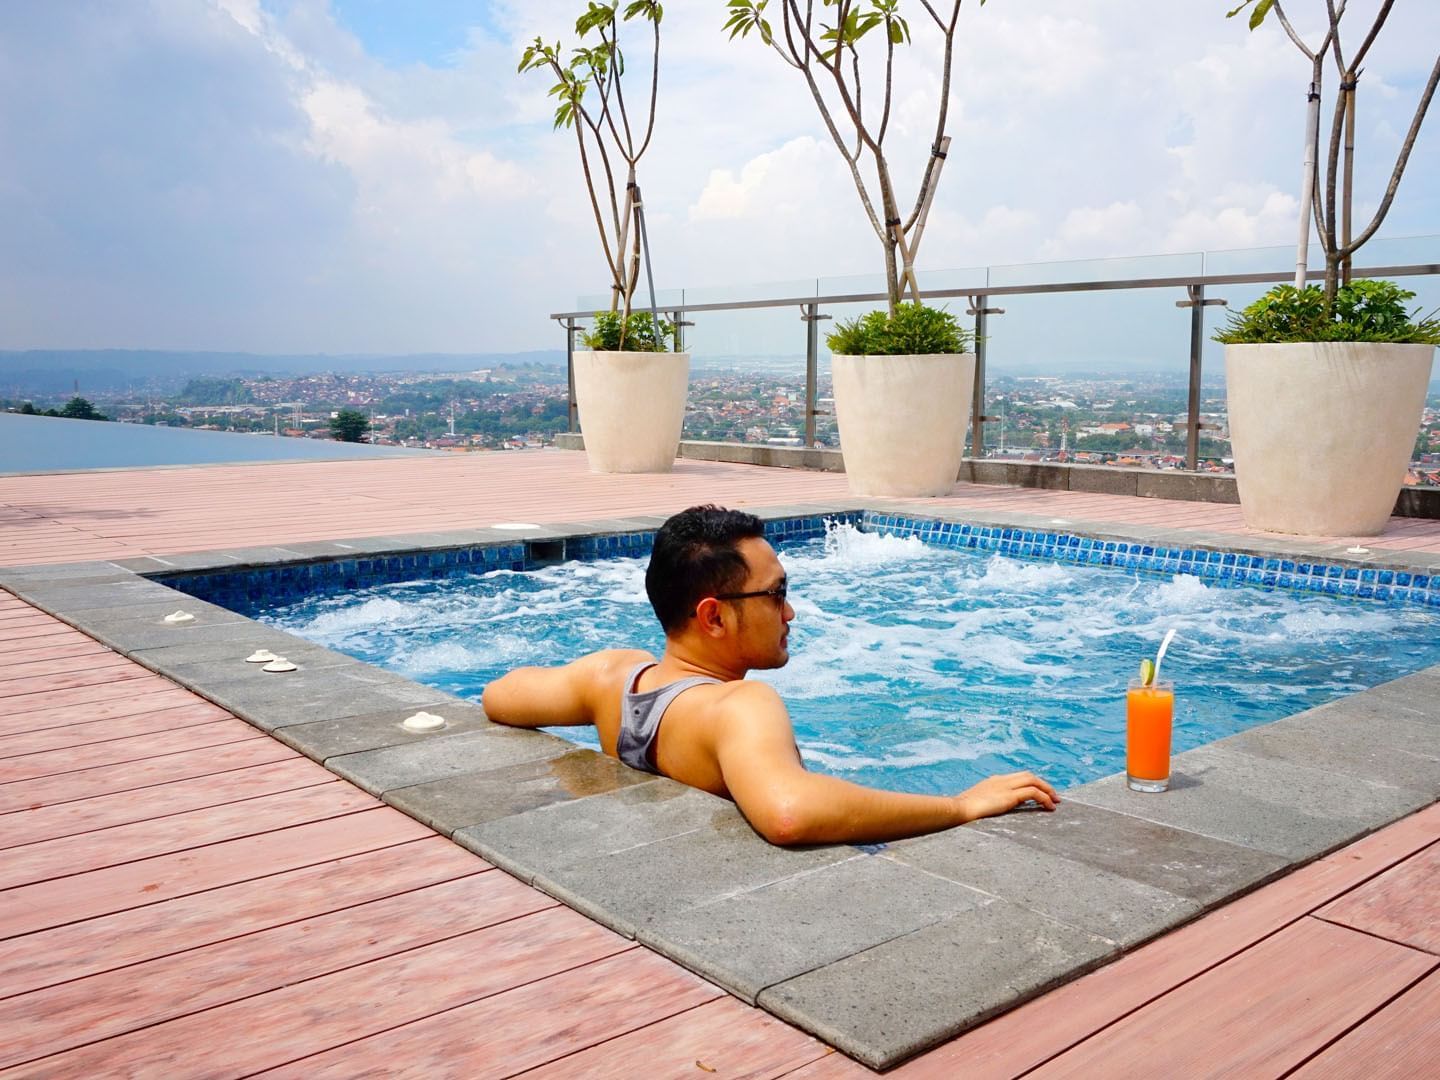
779,660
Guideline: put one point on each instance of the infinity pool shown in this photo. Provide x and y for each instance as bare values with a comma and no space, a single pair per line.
921,668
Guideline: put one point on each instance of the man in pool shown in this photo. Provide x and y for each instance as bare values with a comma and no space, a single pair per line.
719,592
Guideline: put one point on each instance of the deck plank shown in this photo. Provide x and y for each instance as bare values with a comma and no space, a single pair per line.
1402,1040
145,720
19,670
35,651
88,1010
134,775
161,694
1275,1005
68,819
34,686
106,942
723,1039
99,892
137,840
1402,904
48,702
117,751
297,1021
1024,1037
497,1036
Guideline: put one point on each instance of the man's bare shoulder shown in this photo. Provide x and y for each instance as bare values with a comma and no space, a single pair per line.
746,701
610,664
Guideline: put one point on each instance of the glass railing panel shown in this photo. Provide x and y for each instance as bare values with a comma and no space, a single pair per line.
1188,264
800,288
1278,260
747,376
600,301
1097,378
930,281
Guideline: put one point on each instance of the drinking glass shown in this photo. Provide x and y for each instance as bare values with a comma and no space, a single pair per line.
1149,714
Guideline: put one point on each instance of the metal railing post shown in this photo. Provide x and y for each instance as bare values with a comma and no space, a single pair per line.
977,397
810,315
574,421
1197,305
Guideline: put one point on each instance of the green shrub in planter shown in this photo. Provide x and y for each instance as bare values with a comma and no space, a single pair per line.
641,332
913,330
1362,311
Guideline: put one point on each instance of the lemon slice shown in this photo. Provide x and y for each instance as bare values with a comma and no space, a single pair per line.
1147,672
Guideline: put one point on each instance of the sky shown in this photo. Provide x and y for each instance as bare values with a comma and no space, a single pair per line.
372,176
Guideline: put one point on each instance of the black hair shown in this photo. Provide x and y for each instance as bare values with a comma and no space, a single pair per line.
694,557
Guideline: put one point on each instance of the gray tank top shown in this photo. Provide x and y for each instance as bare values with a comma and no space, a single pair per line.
640,716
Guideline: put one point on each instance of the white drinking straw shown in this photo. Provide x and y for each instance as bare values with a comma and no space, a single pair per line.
1165,644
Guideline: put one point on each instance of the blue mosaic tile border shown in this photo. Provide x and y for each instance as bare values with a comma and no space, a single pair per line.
254,589
1269,572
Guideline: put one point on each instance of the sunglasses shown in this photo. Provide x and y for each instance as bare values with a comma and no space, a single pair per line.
777,594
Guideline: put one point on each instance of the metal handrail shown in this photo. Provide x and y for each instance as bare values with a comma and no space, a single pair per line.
1194,284
1412,270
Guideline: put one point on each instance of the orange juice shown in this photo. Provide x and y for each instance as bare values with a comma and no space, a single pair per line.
1149,711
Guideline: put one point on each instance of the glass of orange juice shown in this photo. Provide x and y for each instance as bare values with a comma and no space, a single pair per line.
1149,713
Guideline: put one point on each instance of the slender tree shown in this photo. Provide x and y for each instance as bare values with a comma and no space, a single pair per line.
1322,183
823,46
610,142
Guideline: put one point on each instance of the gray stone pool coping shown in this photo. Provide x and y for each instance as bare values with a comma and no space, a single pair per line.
881,950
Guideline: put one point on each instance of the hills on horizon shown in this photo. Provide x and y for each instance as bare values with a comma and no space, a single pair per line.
53,371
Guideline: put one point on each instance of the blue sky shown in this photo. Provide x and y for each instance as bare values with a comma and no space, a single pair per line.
371,176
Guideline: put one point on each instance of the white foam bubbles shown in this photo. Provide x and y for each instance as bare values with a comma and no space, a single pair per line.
376,613
848,547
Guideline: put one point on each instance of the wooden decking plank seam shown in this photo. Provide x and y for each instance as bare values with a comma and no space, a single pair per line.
1374,934
631,946
167,899
91,738
539,1070
1367,1018
479,867
1230,955
131,860
237,737
15,848
227,719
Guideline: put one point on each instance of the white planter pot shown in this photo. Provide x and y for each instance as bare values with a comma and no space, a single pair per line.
632,406
902,421
1322,432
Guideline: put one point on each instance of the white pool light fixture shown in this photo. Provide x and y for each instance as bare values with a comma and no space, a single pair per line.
279,664
423,721
261,656
179,617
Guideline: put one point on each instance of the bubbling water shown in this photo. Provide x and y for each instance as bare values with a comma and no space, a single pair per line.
921,668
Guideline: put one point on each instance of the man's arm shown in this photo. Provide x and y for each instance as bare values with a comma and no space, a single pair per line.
550,697
788,805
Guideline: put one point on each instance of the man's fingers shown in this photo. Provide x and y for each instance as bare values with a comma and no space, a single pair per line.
1030,780
1042,795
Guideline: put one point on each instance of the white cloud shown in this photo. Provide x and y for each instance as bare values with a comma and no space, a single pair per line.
244,174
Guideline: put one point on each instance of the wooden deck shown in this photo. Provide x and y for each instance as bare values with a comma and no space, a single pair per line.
182,895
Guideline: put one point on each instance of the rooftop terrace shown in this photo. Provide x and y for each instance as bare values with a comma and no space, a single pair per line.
185,894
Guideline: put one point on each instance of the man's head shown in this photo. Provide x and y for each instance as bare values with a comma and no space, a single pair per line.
704,559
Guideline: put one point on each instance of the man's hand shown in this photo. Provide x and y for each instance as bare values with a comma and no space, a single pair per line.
997,794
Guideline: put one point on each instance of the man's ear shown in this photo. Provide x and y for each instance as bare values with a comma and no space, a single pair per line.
708,617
